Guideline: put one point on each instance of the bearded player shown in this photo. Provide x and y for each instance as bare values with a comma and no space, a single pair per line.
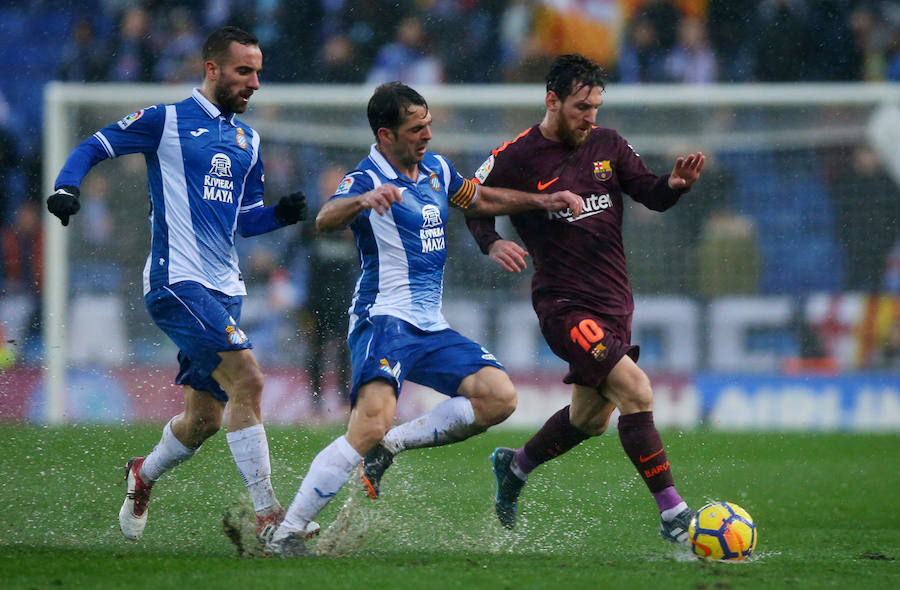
206,183
580,290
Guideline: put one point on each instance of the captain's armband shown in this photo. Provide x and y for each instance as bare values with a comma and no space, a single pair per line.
466,195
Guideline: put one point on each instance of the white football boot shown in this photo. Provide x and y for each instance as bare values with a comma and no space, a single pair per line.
133,514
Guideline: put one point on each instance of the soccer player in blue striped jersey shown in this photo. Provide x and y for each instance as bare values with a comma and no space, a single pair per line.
205,178
397,202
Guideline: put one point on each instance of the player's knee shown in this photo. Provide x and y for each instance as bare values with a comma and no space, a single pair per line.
248,386
639,393
591,425
497,406
507,401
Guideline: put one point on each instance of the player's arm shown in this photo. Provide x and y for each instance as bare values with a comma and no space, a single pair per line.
254,219
492,201
137,132
503,201
64,202
475,198
656,192
509,255
339,211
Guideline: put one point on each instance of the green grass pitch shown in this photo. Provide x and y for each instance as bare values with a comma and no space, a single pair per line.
826,506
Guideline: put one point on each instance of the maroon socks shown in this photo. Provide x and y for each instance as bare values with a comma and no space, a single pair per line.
555,437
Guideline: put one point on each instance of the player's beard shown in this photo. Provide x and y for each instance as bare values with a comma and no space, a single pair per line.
570,136
228,100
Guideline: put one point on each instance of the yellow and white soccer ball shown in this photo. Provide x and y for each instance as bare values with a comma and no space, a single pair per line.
722,531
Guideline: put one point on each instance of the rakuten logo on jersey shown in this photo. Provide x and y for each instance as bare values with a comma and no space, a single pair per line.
592,205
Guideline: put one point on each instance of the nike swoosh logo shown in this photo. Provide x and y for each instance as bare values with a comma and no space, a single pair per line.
323,494
199,132
644,459
543,185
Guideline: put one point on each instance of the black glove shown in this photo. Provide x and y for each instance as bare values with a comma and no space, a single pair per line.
291,208
64,202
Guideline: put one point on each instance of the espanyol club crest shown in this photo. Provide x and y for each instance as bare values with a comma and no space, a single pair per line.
240,138
433,182
602,170
235,335
385,366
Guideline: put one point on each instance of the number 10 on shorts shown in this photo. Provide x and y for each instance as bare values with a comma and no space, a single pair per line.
587,334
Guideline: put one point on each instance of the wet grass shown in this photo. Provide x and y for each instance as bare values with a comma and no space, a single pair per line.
825,505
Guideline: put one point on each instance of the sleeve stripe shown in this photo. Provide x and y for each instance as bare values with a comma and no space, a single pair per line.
107,147
466,195
506,144
246,208
445,169
376,182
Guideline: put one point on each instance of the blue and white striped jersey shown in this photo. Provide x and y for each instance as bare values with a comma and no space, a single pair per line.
403,252
204,170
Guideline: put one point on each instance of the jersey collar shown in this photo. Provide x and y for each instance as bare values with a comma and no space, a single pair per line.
387,169
211,110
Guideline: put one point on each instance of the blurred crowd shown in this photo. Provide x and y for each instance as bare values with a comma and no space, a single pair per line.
459,41
437,41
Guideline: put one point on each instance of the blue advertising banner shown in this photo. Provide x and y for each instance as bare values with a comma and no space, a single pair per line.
862,401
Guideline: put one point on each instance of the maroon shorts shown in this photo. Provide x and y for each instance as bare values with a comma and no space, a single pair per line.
591,343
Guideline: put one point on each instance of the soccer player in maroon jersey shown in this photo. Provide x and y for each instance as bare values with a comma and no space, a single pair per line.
580,290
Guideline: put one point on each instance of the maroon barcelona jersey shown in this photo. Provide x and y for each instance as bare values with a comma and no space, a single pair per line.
578,262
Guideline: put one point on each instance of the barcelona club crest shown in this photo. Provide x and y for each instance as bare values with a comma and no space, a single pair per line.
602,170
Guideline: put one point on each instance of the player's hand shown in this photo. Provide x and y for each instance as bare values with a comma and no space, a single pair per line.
686,171
509,255
64,203
562,200
291,208
381,198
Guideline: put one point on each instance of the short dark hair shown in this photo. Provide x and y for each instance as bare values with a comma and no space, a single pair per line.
571,72
219,42
389,105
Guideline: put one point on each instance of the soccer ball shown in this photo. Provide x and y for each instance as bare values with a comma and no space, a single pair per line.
722,531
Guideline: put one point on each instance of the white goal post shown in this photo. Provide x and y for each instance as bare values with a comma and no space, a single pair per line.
876,119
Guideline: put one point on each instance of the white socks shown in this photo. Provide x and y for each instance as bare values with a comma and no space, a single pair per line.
165,456
673,511
329,471
250,449
450,421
